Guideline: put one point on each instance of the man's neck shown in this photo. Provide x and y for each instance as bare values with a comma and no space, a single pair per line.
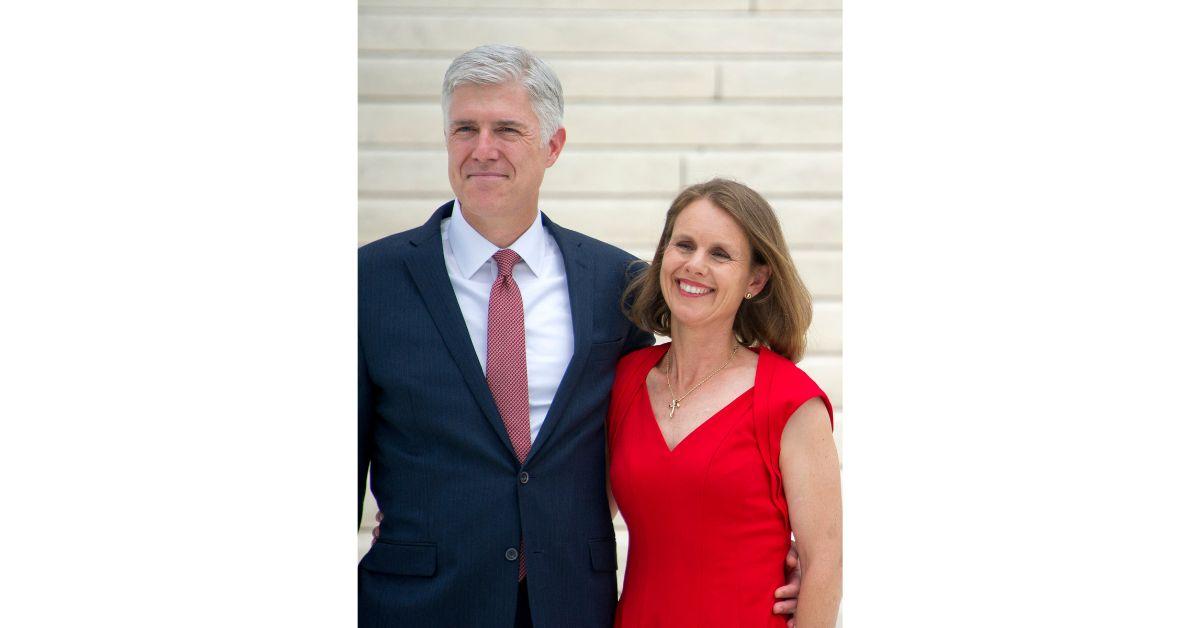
501,230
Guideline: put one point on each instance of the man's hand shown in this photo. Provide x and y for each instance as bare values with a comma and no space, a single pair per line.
786,595
379,519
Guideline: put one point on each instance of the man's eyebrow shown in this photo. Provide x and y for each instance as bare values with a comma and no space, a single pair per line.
512,123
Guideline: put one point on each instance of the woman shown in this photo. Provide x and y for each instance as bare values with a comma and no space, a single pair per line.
720,447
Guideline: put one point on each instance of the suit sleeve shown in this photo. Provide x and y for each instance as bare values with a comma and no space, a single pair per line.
636,338
366,413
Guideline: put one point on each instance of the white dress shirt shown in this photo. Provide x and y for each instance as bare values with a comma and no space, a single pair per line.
542,278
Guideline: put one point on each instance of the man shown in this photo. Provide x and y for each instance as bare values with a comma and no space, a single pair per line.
488,339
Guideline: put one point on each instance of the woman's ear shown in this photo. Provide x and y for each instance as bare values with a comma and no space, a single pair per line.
758,279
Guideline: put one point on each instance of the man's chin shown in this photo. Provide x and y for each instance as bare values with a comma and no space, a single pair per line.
484,203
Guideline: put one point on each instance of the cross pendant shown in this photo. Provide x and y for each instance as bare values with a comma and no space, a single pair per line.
672,404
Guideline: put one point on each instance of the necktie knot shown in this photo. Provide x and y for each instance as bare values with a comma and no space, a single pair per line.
505,260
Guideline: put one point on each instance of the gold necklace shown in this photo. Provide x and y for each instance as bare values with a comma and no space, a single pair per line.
674,402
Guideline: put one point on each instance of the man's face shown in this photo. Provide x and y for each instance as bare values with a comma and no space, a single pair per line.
496,156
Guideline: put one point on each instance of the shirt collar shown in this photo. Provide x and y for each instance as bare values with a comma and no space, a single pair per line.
472,250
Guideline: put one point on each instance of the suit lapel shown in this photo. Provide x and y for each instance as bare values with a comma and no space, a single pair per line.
580,281
428,270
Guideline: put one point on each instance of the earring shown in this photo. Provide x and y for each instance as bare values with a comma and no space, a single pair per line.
748,295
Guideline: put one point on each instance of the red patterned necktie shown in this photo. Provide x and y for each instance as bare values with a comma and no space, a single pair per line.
506,371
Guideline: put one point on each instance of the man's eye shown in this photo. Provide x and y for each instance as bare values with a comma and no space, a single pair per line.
463,129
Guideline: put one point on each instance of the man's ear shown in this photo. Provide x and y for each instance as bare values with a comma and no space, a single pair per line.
556,145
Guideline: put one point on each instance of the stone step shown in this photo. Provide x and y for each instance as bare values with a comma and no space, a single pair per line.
624,79
780,79
616,5
826,370
422,78
798,5
678,33
825,333
769,172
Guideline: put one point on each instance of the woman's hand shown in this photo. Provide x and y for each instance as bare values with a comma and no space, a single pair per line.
785,595
375,530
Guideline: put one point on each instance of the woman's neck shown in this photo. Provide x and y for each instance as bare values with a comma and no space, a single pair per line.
696,354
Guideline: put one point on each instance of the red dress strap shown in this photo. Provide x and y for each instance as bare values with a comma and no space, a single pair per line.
780,387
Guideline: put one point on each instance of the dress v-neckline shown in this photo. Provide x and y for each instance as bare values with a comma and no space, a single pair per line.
645,393
662,439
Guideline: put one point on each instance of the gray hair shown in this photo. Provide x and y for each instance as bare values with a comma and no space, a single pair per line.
495,64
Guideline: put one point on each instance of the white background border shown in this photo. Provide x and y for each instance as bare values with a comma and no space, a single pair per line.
1020,319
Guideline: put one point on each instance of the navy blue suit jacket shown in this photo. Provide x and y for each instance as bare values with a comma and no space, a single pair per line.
443,471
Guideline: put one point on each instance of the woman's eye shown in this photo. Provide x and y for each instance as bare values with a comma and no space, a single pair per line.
720,254
685,246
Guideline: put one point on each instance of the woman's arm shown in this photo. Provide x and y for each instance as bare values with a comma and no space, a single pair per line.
808,460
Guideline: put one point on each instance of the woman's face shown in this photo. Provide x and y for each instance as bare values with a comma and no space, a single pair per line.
707,268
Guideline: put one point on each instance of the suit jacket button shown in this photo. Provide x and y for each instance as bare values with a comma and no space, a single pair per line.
511,553
523,478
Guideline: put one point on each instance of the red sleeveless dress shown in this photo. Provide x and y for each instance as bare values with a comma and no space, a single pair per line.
708,523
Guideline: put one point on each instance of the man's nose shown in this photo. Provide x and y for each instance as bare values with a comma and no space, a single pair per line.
485,147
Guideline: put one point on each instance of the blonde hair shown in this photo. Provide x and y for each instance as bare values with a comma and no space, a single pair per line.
777,317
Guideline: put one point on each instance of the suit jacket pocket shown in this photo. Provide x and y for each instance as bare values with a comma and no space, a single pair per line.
604,554
402,559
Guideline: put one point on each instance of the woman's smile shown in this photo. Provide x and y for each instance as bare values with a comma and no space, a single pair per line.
692,289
